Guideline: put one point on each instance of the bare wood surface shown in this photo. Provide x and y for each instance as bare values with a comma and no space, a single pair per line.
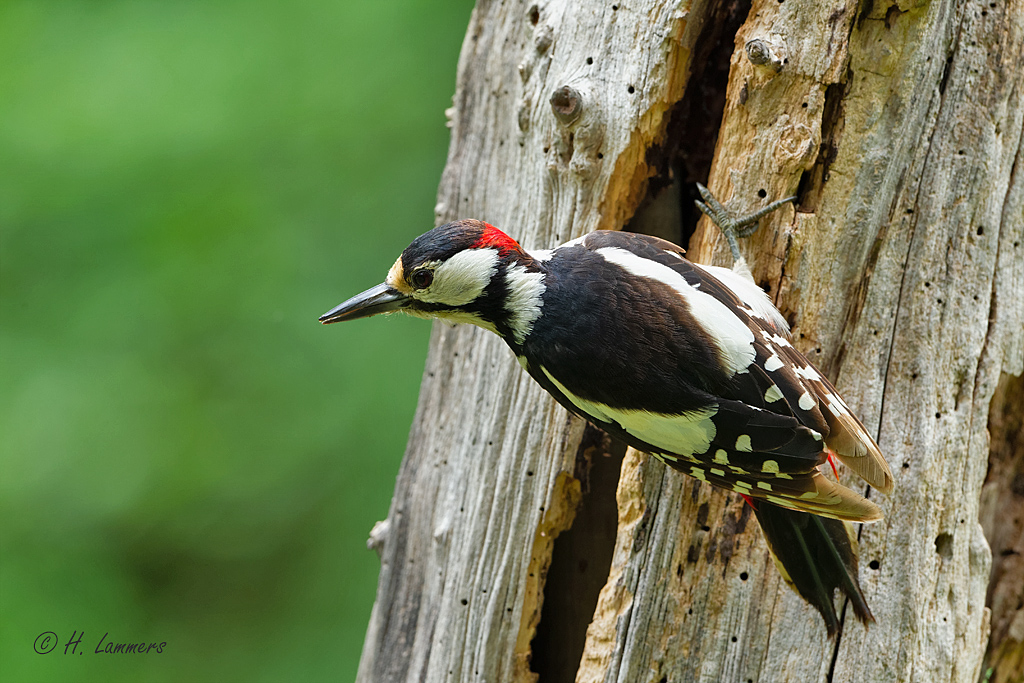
487,481
899,127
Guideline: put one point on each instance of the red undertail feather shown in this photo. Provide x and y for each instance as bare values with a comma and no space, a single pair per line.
831,461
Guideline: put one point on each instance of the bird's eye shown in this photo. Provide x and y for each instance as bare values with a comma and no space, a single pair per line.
421,279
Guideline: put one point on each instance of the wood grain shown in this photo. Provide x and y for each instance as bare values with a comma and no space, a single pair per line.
898,125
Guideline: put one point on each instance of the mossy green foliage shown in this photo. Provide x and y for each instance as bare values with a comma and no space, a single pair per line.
186,455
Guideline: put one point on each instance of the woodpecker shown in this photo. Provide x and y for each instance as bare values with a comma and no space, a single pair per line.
690,363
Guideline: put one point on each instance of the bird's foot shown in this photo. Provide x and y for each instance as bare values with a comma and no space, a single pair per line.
732,226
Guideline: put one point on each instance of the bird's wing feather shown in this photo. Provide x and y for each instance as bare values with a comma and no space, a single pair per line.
806,393
819,403
780,465
763,431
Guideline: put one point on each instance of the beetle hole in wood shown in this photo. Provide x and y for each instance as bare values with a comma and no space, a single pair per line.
580,561
684,155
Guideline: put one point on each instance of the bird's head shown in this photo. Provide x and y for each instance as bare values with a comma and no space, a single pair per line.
466,271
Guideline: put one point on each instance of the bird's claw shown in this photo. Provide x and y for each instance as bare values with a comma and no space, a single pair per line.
732,226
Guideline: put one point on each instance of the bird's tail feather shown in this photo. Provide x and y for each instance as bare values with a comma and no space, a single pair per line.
815,555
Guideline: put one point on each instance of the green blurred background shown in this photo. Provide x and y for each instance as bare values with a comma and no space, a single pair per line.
187,456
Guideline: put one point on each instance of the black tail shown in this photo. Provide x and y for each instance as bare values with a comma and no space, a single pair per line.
815,555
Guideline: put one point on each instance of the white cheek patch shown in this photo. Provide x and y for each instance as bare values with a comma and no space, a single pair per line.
461,279
679,435
731,335
524,300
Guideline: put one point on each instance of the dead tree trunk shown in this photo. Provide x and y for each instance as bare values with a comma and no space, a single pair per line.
898,125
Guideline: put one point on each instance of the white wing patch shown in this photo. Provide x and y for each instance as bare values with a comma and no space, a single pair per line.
749,293
546,254
541,254
733,337
524,300
773,338
807,372
683,435
806,402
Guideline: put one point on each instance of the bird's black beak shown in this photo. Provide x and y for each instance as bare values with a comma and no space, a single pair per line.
380,299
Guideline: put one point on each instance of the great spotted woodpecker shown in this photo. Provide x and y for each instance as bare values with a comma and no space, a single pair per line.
689,363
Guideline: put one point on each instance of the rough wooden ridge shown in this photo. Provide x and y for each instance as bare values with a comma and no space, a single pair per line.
898,125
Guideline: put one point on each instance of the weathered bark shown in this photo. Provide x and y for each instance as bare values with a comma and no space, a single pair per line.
1002,517
901,269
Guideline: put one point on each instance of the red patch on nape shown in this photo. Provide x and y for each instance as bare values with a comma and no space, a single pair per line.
749,500
492,238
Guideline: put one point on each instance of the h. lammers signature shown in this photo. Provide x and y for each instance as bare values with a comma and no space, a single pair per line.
47,641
